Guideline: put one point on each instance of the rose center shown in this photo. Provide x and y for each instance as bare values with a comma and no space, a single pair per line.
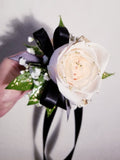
76,69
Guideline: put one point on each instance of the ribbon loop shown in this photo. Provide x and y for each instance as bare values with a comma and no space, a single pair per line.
49,97
52,96
43,41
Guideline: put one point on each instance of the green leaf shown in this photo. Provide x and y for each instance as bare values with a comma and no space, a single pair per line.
23,82
106,74
34,96
50,111
37,50
61,22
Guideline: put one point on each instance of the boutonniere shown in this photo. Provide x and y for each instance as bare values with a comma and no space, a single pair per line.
66,73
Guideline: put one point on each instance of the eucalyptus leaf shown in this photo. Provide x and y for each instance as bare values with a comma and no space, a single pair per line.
23,82
106,74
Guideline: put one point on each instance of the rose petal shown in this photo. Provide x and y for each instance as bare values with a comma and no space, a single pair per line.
53,62
74,97
93,87
102,55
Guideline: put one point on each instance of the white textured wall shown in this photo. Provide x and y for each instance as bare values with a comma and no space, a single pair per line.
99,21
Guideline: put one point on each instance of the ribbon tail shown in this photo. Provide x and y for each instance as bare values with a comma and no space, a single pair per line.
46,127
36,120
78,121
68,108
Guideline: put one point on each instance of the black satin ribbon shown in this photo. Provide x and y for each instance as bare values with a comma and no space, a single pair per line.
43,41
52,97
46,127
78,121
60,37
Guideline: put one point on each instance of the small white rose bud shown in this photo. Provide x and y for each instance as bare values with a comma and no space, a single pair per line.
46,77
22,72
35,73
22,62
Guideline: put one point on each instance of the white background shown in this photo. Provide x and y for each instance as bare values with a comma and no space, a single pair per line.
99,21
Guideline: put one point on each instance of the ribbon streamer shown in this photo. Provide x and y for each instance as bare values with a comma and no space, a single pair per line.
78,121
46,127
68,108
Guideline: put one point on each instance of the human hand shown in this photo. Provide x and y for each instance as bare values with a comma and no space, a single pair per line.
9,70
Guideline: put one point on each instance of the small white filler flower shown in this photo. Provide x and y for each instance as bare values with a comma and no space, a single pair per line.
30,39
31,51
22,61
35,73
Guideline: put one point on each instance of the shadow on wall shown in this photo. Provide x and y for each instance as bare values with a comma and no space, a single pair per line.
13,41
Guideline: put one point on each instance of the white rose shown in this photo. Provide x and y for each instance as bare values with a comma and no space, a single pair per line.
77,69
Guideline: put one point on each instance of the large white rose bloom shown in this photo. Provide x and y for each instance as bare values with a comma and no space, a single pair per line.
77,69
